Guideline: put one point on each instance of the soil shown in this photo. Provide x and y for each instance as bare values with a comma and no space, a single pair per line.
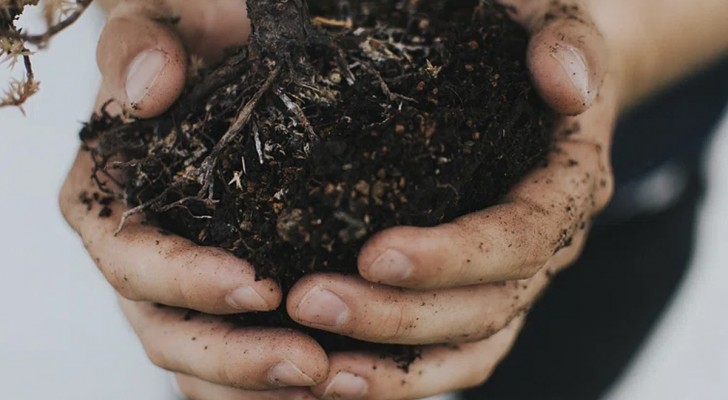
390,113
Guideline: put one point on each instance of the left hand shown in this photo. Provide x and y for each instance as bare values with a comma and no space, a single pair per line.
471,280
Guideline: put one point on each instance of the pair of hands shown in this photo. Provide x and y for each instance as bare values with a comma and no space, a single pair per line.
467,282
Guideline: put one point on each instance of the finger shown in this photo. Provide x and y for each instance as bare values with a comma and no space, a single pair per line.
141,58
197,389
511,240
441,369
383,314
352,307
142,263
566,55
221,353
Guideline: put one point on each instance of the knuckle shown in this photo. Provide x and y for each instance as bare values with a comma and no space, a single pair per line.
480,378
531,237
232,369
393,325
156,355
186,285
595,163
120,282
490,324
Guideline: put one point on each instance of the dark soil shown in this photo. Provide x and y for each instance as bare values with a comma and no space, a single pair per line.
400,114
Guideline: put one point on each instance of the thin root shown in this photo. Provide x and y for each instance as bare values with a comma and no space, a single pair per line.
235,128
321,21
296,110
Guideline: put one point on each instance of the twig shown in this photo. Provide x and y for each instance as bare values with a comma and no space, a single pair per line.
392,96
258,144
322,21
180,203
240,121
296,110
42,39
344,66
139,209
30,76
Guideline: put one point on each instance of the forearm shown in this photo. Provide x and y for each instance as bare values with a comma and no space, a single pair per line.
656,42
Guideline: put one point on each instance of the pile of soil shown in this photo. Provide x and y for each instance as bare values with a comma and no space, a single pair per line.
398,113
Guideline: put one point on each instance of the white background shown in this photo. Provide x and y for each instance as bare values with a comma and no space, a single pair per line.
62,336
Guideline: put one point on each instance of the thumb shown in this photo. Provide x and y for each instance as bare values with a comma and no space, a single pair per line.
567,55
142,61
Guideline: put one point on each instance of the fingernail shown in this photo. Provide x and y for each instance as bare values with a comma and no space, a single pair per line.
245,298
573,62
322,307
391,266
285,373
346,385
143,73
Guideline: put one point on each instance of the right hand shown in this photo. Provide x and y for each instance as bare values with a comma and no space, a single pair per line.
143,63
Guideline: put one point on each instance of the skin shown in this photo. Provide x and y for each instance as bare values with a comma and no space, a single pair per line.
476,275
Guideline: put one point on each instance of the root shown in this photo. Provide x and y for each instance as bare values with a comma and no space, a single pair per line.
181,203
236,127
321,21
296,110
392,96
147,205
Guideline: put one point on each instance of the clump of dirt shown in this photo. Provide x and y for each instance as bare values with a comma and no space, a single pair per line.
388,113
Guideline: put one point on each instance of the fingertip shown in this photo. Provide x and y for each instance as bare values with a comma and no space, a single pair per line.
408,257
154,80
253,298
387,258
308,357
566,64
560,77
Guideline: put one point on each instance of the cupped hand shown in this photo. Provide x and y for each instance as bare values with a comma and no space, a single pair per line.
468,281
142,56
445,293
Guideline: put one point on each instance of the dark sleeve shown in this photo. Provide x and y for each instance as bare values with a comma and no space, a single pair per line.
664,138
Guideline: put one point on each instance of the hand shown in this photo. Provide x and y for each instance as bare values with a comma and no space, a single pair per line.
142,51
213,359
466,280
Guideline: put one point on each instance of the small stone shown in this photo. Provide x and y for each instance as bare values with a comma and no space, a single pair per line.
362,187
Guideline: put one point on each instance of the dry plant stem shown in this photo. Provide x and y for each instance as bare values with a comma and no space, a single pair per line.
241,120
41,40
14,41
383,85
296,109
139,209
